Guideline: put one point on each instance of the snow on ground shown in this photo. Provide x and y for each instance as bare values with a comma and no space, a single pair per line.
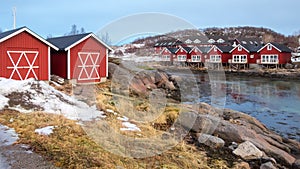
127,126
7,136
124,118
46,131
31,95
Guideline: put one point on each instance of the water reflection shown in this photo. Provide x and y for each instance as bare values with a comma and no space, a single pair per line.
276,103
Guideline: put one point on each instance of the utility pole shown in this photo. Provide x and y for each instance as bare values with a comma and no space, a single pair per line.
15,16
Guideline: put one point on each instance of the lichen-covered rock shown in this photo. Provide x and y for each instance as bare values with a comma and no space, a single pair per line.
248,151
211,141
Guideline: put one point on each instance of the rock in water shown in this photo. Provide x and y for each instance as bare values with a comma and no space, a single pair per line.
248,151
267,165
211,141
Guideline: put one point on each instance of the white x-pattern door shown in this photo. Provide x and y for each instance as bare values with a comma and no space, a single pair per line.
89,65
23,64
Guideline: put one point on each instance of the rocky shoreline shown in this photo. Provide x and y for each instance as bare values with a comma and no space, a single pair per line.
246,137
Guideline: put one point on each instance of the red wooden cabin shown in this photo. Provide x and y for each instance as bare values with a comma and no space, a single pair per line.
219,54
245,54
275,54
24,54
168,54
83,58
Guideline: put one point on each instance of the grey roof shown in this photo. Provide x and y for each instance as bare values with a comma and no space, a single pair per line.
7,33
66,41
204,49
281,47
202,39
217,37
252,48
187,49
225,49
166,43
173,50
250,41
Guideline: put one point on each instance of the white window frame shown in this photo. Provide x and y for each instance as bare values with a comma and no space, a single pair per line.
165,58
240,48
269,59
269,47
215,58
181,58
196,58
239,58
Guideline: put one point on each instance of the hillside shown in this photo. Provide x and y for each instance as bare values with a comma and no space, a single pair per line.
265,34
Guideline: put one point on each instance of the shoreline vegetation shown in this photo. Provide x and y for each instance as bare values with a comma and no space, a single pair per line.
232,126
219,138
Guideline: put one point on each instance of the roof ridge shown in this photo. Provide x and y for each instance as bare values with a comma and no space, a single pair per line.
66,36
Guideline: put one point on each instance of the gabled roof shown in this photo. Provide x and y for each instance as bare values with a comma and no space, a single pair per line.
249,48
204,49
277,46
172,50
221,48
199,38
249,41
224,49
187,49
9,34
217,37
67,42
168,42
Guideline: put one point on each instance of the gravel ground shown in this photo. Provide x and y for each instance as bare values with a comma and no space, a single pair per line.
15,156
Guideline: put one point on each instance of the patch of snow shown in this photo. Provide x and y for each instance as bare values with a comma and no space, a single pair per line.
124,118
7,136
127,126
43,97
3,102
46,131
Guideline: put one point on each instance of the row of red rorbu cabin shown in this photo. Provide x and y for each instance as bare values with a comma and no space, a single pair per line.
24,54
236,54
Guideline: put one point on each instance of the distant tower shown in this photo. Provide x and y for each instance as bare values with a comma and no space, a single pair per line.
14,15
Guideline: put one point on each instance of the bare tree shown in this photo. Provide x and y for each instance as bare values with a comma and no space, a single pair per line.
82,30
75,31
105,38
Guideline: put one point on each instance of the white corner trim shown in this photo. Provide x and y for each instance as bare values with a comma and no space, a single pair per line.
49,63
106,62
69,65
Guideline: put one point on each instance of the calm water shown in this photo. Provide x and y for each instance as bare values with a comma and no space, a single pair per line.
276,103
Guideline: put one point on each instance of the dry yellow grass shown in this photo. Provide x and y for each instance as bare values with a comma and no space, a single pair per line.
71,147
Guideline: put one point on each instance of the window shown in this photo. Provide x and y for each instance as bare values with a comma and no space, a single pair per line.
196,58
211,41
220,41
215,49
240,48
215,58
239,59
166,57
269,59
188,41
181,58
269,47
